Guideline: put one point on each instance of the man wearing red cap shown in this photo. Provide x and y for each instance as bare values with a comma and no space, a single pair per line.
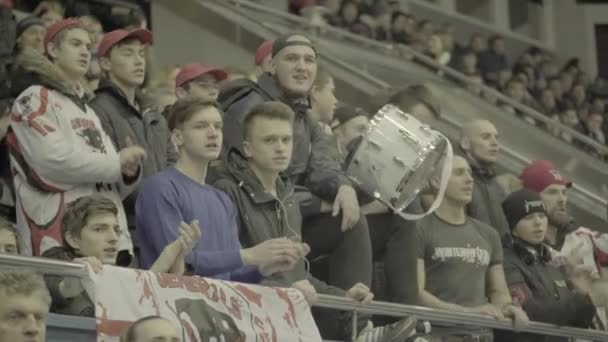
200,81
125,113
58,148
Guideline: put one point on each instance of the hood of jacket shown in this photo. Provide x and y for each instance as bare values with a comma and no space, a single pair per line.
32,68
237,167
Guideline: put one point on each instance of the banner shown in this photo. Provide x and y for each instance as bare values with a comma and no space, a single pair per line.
204,309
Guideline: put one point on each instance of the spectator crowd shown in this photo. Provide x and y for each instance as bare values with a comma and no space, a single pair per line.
563,92
241,176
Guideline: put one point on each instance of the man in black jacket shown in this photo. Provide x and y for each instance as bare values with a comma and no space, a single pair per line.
327,192
535,282
125,114
479,142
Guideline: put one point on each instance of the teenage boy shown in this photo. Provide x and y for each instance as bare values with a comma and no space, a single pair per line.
125,114
268,209
460,258
199,80
59,151
529,268
90,233
24,307
180,194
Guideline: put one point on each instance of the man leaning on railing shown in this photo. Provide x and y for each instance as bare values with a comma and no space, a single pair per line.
460,261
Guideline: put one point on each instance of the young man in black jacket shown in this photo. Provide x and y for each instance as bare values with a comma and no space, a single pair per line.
536,283
125,114
268,209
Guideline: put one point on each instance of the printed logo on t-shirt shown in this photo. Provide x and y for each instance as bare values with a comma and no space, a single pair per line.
469,255
88,131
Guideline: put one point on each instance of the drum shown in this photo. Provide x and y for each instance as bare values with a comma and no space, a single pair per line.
395,158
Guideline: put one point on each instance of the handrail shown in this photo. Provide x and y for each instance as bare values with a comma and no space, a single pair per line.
483,25
63,268
428,62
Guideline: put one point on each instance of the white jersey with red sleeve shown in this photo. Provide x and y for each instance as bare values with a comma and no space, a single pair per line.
59,152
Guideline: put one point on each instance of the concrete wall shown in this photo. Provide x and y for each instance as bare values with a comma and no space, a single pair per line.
178,39
574,34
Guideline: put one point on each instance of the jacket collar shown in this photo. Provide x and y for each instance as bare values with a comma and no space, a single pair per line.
480,170
238,167
108,87
299,104
35,69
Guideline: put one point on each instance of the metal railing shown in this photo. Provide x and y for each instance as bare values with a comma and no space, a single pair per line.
64,268
397,50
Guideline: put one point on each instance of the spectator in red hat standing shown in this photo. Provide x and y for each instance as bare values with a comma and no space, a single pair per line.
125,113
59,151
263,58
200,81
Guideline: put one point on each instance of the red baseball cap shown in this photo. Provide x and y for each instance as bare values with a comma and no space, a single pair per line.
540,174
262,52
112,38
57,27
189,72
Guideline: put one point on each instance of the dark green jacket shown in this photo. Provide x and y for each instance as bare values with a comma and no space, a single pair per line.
263,216
542,290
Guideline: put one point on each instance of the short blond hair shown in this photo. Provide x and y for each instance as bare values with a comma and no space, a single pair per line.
25,283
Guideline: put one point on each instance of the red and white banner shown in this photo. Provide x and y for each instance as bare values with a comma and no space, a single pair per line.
205,309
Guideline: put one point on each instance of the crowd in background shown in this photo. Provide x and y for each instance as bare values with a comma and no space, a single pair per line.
538,79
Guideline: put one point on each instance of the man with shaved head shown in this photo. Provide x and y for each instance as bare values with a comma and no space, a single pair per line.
479,143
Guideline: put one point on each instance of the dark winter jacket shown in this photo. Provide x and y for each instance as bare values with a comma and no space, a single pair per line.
262,216
542,290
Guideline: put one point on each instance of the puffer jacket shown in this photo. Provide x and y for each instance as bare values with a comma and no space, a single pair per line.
125,124
263,216
313,165
59,152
